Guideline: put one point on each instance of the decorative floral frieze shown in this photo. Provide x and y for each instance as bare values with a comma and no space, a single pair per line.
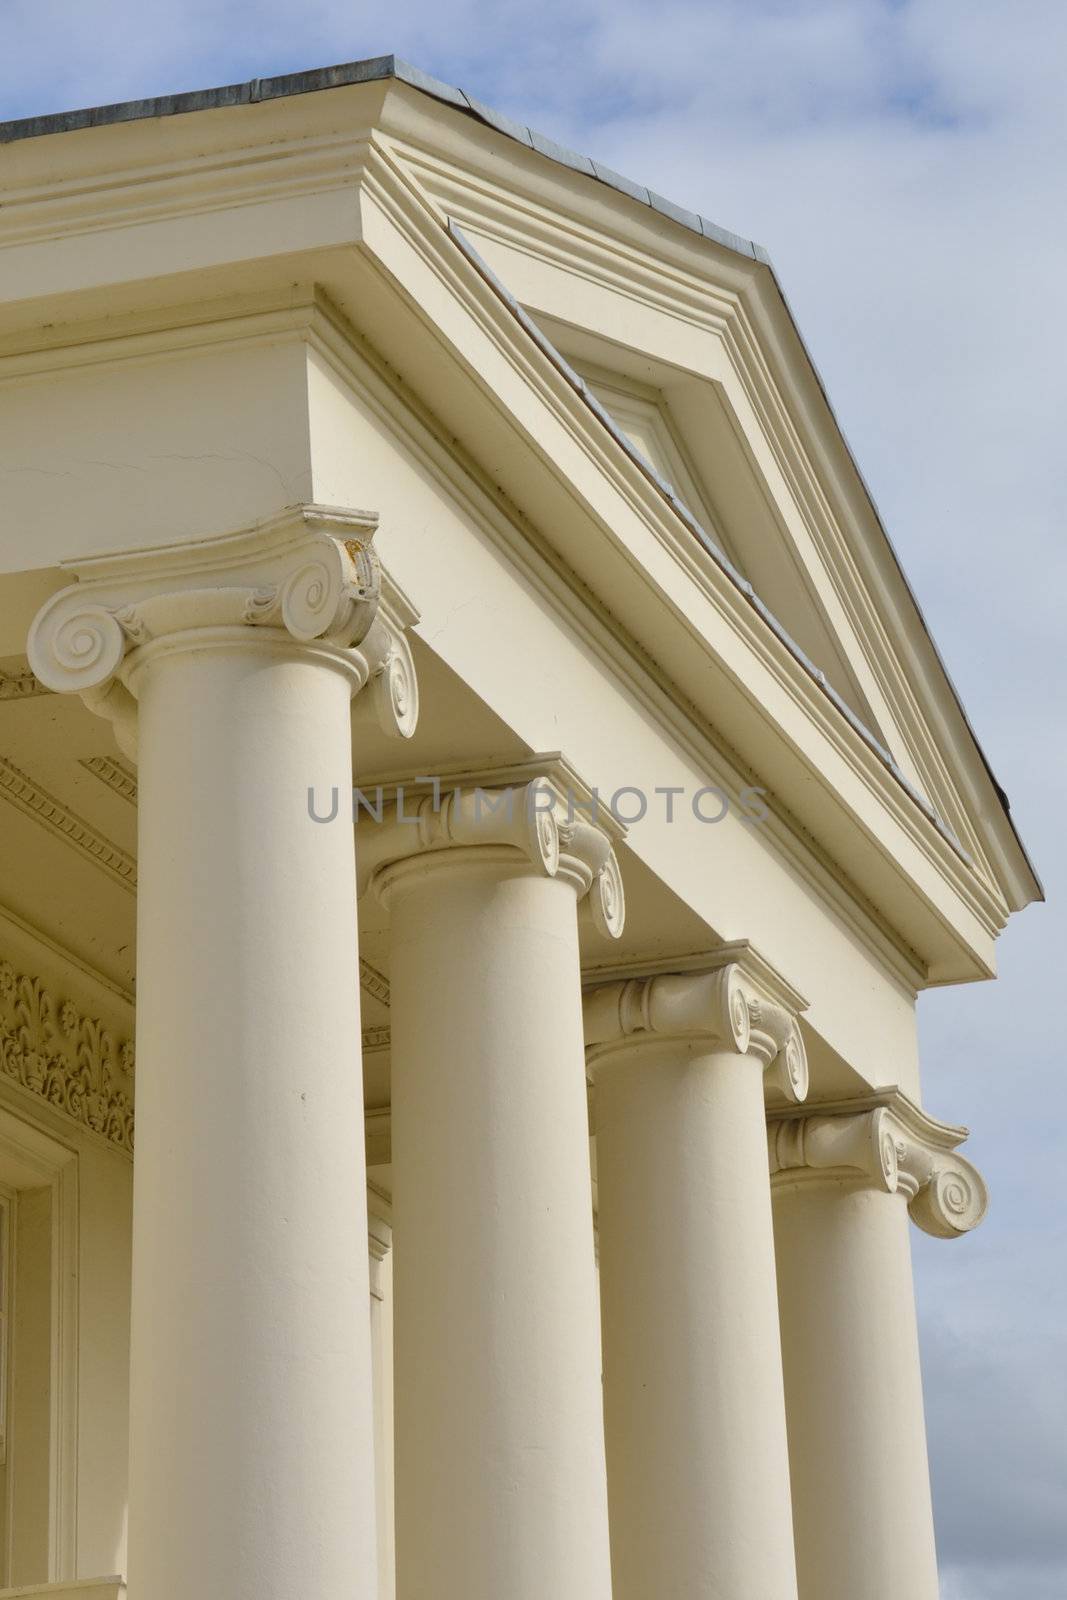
71,1060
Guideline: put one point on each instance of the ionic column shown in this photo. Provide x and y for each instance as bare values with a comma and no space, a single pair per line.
234,661
843,1186
500,1483
698,1475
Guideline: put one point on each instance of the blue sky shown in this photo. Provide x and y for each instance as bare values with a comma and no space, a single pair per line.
903,161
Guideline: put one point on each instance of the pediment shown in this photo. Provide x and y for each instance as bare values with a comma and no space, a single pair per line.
774,485
800,651
683,333
692,432
695,443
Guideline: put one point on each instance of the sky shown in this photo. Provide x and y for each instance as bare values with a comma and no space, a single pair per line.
903,161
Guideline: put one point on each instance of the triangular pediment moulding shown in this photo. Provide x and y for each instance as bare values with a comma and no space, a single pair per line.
714,300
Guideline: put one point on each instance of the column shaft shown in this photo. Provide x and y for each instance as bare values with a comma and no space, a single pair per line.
499,1434
861,1490
251,1451
694,1408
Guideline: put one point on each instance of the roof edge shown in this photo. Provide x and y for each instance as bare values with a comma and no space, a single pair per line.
375,69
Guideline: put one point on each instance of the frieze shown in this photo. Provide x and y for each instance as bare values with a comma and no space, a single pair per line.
49,1046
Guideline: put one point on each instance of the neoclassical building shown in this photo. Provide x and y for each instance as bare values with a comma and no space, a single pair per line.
463,717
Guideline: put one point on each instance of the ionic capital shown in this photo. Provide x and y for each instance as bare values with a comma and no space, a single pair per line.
731,1007
862,1147
309,576
527,826
891,1147
946,1195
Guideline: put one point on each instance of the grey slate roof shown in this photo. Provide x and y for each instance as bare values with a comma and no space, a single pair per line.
381,68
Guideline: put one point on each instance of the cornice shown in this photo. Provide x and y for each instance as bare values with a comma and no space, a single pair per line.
114,775
840,562
732,1002
17,933
245,171
25,793
884,1142
373,982
537,220
67,1058
149,334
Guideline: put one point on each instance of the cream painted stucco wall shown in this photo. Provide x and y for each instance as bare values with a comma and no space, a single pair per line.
132,449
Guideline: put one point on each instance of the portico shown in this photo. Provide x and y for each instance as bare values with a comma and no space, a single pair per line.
521,1194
